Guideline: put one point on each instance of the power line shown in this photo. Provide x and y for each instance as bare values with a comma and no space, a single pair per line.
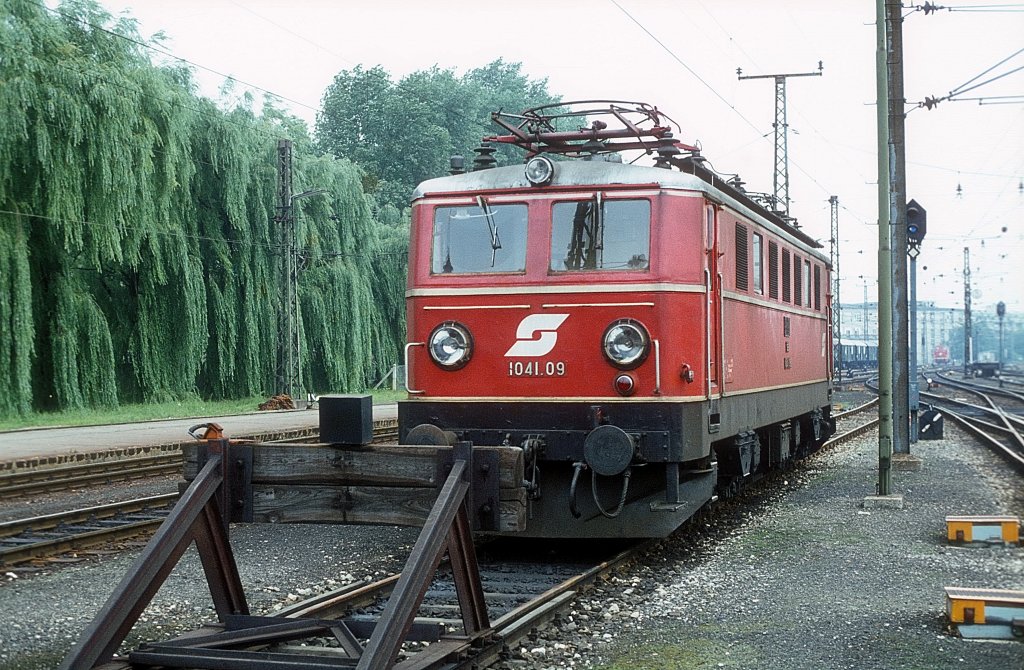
149,231
305,252
803,116
687,67
164,52
224,115
712,89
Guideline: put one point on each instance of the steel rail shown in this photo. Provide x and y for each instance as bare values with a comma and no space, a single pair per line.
850,434
857,410
1015,458
112,470
475,650
64,531
44,480
980,389
983,430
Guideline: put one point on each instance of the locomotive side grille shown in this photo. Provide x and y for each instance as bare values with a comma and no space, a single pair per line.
817,287
741,257
786,283
798,282
773,270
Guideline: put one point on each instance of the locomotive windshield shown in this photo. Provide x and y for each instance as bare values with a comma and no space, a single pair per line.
479,238
600,235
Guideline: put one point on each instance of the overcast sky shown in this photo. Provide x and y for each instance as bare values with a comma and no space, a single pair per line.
606,49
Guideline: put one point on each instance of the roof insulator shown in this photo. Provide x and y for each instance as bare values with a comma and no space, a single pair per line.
484,157
667,150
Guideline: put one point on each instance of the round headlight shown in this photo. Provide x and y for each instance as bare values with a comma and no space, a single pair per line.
539,170
626,343
450,345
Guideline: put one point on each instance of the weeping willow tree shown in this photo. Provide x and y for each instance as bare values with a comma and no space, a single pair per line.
138,252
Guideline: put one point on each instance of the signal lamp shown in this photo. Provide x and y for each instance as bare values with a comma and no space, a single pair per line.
917,223
624,385
540,170
450,345
626,344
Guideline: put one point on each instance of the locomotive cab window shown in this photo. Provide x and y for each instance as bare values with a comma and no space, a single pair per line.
479,238
600,234
757,265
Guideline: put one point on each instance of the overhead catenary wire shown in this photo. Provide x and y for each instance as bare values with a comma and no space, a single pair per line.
164,52
931,102
180,234
399,86
714,91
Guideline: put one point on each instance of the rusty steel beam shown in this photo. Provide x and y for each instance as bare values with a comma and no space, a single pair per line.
108,630
439,532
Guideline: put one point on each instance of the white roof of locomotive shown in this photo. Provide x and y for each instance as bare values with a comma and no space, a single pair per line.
591,173
567,173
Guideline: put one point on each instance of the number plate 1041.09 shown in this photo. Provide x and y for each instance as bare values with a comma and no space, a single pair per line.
536,369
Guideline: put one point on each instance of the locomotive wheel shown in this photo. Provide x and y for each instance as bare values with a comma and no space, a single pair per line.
429,434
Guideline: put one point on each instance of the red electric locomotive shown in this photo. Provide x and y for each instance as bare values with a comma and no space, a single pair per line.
651,337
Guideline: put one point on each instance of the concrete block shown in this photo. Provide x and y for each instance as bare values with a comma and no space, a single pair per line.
906,463
894,501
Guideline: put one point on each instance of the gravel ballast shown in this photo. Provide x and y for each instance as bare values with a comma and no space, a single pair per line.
799,576
806,577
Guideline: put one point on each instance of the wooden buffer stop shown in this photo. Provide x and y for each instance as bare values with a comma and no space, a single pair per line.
449,490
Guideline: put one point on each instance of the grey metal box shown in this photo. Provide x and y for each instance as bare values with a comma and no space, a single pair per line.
346,419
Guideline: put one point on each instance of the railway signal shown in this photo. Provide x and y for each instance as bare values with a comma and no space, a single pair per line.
917,223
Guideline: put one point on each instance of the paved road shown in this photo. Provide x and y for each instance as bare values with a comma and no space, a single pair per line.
44,442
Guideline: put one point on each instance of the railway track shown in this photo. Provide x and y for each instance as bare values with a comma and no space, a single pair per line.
520,598
64,478
112,470
991,423
39,537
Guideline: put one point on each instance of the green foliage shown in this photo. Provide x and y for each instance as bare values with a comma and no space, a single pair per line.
402,133
139,257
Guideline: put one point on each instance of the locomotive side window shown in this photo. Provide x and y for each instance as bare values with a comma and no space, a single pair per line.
600,235
773,270
758,276
798,282
741,257
807,282
785,275
479,238
709,228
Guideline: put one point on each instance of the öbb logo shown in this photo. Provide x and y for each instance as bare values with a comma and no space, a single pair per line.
529,343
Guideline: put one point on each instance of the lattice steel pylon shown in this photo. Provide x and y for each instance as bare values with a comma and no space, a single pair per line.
780,181
837,331
967,311
287,377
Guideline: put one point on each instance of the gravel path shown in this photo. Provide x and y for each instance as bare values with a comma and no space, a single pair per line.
41,615
806,578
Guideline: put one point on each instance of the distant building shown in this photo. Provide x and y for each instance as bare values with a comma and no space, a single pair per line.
935,326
